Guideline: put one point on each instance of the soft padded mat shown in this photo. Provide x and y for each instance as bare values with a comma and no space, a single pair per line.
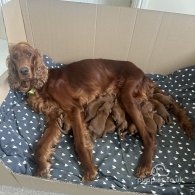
174,162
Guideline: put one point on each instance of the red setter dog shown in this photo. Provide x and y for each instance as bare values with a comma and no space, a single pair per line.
65,91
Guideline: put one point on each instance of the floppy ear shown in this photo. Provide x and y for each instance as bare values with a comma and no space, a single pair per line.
40,70
13,79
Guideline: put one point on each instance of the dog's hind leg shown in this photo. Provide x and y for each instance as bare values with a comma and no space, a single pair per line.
148,137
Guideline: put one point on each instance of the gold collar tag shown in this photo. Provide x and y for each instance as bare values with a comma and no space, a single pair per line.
31,92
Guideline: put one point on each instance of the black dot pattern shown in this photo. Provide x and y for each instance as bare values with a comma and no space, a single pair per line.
174,161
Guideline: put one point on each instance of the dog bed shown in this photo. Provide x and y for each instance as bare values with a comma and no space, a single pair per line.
174,161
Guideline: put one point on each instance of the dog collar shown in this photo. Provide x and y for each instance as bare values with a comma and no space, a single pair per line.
31,92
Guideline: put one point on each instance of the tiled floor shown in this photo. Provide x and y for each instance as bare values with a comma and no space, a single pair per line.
3,55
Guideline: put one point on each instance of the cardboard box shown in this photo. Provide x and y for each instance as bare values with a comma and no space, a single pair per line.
67,31
156,41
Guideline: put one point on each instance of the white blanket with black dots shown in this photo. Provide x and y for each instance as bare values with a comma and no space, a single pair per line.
174,161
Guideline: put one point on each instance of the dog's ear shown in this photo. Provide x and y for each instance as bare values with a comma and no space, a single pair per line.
37,58
13,78
40,70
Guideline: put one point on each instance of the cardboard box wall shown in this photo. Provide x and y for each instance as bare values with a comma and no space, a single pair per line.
156,41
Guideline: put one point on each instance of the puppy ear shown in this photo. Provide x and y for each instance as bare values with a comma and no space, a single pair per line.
13,78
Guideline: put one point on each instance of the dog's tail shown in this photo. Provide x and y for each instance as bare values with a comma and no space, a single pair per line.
176,109
182,118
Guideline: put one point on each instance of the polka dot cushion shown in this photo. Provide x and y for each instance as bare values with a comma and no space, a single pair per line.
174,161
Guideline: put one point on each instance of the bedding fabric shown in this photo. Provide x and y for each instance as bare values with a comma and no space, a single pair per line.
174,161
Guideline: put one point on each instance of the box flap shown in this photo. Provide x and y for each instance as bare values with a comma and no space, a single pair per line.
7,177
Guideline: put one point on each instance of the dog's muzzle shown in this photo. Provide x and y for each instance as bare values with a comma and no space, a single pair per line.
24,71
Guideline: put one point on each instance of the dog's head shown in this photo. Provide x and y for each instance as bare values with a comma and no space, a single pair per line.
25,67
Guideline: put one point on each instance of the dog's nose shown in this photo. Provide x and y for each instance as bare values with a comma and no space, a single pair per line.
24,70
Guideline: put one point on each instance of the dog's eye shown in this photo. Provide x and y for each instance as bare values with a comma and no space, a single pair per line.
15,56
28,54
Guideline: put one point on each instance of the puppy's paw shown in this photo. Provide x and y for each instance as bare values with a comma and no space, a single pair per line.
123,125
132,129
168,120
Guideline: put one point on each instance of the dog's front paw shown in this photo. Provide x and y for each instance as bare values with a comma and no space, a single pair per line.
90,175
144,170
43,170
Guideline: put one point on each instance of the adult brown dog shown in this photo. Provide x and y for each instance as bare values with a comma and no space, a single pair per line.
64,91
